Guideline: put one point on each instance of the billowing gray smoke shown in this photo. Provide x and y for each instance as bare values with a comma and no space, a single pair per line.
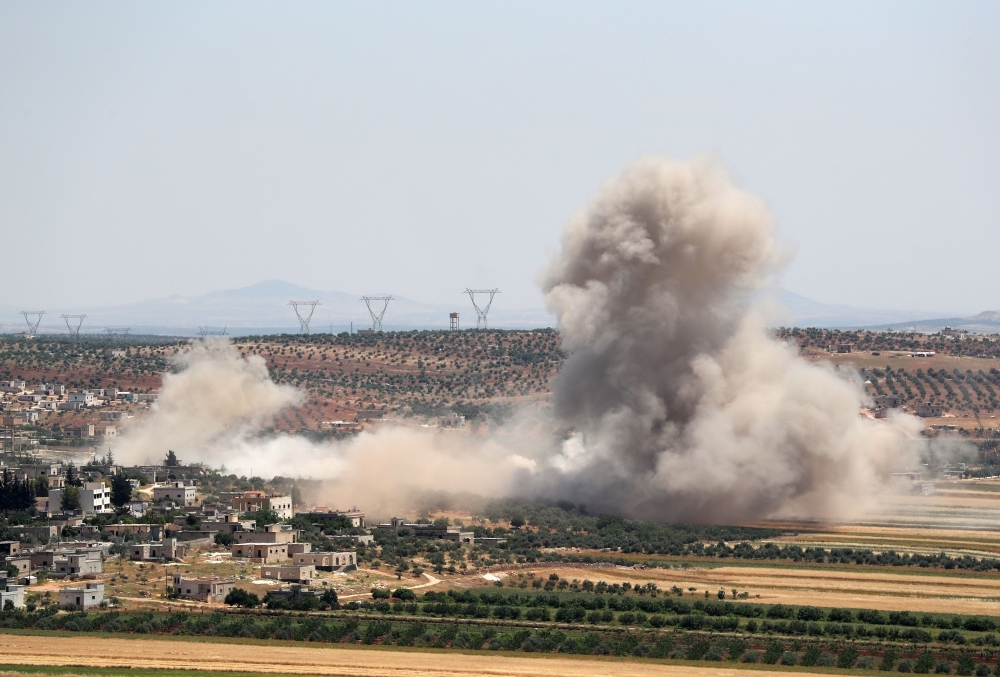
683,407
680,406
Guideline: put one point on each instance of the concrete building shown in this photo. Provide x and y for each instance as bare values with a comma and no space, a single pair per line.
928,410
87,597
78,564
252,501
265,553
888,401
203,589
52,472
272,533
12,386
112,416
78,432
12,593
10,548
451,420
84,397
321,513
95,499
328,561
294,573
432,531
168,549
106,431
181,493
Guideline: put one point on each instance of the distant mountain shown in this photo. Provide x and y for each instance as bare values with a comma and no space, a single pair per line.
987,322
263,308
804,312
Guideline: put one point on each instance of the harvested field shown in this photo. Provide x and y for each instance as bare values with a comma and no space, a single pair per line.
306,659
908,590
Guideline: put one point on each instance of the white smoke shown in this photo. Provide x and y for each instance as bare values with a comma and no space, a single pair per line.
680,404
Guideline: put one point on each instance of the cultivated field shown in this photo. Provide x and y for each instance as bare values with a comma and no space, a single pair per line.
299,658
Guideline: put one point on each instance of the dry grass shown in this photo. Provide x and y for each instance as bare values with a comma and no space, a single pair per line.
311,659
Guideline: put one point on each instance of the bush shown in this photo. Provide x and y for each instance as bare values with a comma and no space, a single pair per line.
715,653
866,663
811,655
924,663
773,653
750,657
789,658
826,660
847,657
381,593
905,666
888,660
966,664
404,594
942,668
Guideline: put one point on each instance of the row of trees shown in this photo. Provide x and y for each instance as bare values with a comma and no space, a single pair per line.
16,494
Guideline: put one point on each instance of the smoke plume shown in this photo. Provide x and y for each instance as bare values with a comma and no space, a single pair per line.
678,403
683,406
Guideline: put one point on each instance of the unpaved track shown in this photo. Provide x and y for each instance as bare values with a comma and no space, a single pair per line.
312,659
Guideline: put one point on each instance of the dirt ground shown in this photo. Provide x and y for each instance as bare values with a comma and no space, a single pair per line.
312,659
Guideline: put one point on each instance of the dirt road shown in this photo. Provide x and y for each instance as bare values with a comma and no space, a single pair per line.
312,659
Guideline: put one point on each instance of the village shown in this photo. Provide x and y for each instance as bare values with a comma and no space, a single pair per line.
101,538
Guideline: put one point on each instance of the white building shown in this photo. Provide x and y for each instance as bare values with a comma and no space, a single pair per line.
82,598
84,397
95,499
178,492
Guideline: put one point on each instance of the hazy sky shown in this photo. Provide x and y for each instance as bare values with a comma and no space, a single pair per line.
149,149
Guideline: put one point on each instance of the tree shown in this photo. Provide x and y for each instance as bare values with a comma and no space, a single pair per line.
241,598
42,486
223,538
109,459
121,491
330,597
171,460
69,498
72,478
264,517
517,520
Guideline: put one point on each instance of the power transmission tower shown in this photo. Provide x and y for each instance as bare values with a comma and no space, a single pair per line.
304,321
33,328
118,332
74,332
205,331
481,311
376,317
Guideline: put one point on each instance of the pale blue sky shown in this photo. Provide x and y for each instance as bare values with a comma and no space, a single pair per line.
149,149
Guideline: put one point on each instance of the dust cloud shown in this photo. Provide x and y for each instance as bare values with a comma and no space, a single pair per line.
683,406
679,405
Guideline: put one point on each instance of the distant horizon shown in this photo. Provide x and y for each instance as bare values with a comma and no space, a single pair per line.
266,313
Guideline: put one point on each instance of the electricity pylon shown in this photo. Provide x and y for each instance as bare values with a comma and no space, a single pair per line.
377,317
304,321
33,328
74,332
481,312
